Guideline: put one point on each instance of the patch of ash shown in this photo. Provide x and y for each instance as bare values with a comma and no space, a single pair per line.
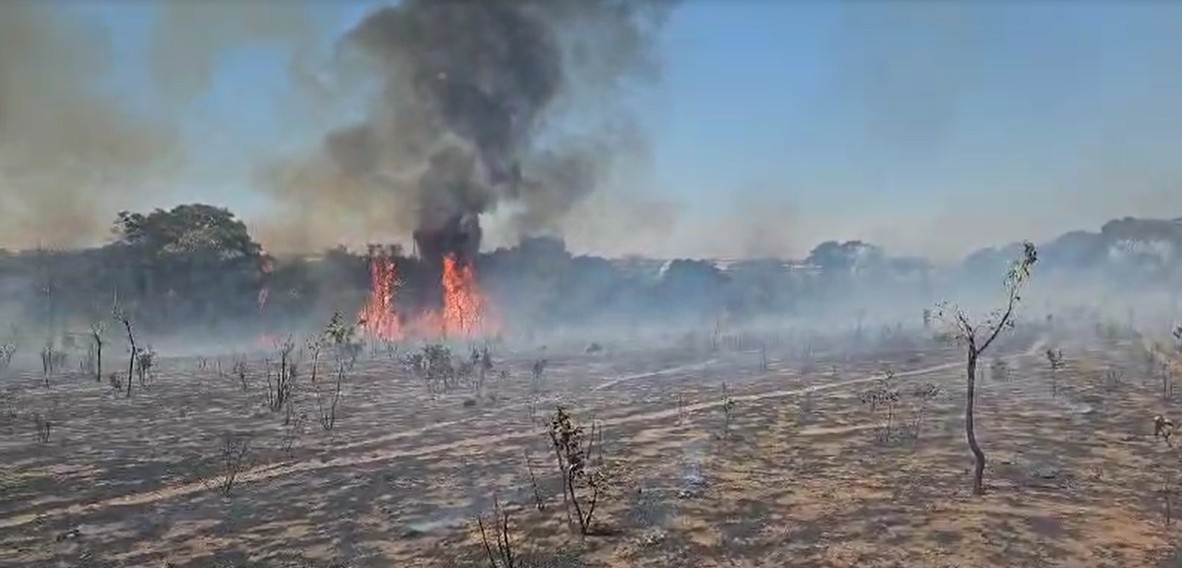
693,477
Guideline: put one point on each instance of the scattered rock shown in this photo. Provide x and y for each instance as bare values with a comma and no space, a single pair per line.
69,535
653,537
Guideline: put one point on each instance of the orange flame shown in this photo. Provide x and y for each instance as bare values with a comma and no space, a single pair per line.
463,304
378,317
464,312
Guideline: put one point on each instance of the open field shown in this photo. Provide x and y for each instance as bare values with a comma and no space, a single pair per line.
795,470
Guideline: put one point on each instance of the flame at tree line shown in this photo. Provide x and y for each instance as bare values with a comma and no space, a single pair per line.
463,313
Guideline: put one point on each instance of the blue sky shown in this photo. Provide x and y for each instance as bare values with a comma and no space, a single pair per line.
931,127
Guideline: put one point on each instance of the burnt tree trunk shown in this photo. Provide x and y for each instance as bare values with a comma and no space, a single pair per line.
970,427
131,360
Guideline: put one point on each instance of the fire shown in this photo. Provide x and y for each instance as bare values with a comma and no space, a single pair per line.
463,304
464,312
378,317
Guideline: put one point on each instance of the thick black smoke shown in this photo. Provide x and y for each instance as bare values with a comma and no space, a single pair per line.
489,103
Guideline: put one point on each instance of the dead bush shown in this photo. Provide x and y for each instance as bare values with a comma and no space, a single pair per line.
1113,380
231,462
574,452
52,360
282,380
502,556
1055,364
145,365
923,396
7,352
41,427
728,411
883,399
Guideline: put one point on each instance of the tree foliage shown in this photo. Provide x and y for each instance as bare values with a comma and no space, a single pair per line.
187,261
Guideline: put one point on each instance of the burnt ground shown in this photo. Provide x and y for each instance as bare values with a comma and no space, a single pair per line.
802,473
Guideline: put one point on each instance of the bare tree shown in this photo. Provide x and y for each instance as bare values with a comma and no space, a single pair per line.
121,317
96,336
977,338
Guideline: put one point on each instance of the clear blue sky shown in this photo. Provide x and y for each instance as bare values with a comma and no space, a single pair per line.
928,126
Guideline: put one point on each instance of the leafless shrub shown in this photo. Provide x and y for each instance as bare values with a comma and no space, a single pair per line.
484,366
536,372
728,411
231,462
503,556
539,500
884,396
1167,383
145,365
1055,363
115,382
1113,380
1164,428
240,370
806,407
999,370
7,352
1168,490
281,383
52,359
581,484
295,427
923,395
434,366
41,427
327,402
532,408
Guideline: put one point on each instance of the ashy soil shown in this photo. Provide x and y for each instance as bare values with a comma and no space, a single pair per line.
788,465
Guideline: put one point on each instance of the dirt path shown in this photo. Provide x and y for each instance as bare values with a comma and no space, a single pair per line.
274,471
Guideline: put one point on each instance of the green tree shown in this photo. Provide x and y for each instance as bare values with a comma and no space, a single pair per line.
190,263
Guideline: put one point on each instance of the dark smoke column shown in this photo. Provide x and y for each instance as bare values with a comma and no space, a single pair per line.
468,89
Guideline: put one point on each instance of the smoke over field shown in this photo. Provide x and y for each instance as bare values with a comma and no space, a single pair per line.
478,107
385,353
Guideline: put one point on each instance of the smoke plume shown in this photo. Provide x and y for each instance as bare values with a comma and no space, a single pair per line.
74,148
478,106
66,147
